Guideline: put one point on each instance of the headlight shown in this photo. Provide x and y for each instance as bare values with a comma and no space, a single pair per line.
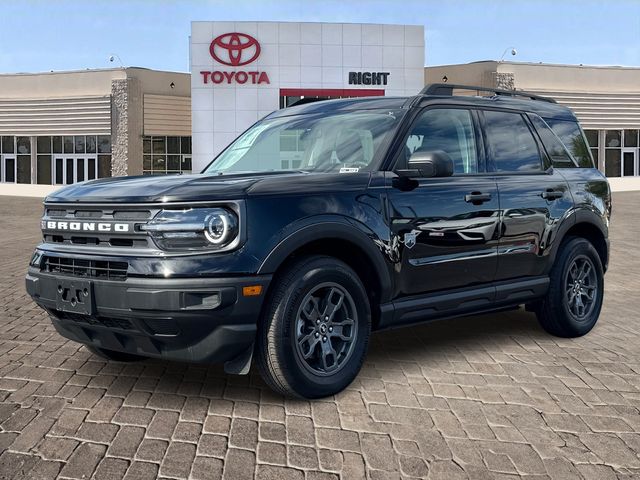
194,229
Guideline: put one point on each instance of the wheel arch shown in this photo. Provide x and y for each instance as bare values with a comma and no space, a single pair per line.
345,242
591,227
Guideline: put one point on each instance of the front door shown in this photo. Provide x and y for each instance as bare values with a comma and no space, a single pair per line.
68,169
630,165
445,230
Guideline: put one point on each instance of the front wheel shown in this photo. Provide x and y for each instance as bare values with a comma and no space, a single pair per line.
315,330
576,290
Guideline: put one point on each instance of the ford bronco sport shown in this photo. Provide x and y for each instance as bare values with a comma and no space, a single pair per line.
325,221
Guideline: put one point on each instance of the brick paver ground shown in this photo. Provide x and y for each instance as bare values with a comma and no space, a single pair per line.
480,397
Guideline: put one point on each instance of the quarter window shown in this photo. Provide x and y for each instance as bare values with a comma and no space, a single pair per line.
513,148
572,137
558,154
449,130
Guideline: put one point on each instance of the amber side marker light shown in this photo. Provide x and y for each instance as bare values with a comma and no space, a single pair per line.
251,290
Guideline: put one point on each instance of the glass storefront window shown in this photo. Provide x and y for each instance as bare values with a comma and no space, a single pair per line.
173,144
173,163
104,166
8,144
613,138
64,159
91,144
57,144
24,168
9,170
631,138
43,145
68,144
159,163
612,165
158,144
185,145
79,144
162,155
104,144
592,137
23,144
43,169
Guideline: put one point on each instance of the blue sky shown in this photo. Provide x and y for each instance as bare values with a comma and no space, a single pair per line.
66,35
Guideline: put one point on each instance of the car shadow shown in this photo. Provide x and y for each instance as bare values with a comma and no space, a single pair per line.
428,341
422,344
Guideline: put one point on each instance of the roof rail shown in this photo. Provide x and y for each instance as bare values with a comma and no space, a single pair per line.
446,89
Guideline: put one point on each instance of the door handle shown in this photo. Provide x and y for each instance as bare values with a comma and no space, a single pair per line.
477,197
551,194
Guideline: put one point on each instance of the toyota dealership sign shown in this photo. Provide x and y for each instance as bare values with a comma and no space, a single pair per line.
242,71
234,50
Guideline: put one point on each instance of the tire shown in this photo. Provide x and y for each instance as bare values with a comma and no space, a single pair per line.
113,355
560,313
297,322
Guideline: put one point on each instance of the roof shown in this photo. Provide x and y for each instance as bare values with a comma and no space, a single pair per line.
540,106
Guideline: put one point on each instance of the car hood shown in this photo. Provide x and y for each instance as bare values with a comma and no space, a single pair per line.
203,187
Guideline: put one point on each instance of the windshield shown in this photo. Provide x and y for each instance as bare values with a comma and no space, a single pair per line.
340,142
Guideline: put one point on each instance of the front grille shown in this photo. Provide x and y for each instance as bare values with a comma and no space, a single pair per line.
102,269
133,216
109,322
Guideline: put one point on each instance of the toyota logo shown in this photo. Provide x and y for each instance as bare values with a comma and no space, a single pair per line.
234,49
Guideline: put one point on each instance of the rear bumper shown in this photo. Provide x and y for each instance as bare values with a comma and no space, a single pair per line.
204,320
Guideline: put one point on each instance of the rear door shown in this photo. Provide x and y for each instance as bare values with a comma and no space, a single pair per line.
533,196
444,230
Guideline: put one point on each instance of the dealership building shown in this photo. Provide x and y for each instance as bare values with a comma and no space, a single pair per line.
58,128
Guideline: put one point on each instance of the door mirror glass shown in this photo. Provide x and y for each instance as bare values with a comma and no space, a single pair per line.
436,163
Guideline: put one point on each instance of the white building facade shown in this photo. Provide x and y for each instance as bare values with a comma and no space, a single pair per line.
242,71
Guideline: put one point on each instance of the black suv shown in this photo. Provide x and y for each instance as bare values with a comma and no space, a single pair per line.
325,221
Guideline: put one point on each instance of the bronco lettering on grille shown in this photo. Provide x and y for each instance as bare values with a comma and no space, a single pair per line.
85,226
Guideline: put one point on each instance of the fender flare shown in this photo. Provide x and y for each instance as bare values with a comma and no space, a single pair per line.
334,228
579,216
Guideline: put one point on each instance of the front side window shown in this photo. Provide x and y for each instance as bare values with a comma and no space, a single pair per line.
512,145
338,142
571,135
447,130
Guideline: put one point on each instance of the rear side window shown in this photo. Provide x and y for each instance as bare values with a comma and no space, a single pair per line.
512,145
573,138
558,154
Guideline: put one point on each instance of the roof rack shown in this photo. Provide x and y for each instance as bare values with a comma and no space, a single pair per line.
446,89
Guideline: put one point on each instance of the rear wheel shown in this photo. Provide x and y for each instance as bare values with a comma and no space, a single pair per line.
315,330
113,355
572,305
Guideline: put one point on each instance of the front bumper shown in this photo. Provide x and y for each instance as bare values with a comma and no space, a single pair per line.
205,320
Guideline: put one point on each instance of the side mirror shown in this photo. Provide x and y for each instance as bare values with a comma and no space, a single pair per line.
436,163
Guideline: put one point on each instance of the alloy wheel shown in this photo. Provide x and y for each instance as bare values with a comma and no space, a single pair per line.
326,329
581,287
